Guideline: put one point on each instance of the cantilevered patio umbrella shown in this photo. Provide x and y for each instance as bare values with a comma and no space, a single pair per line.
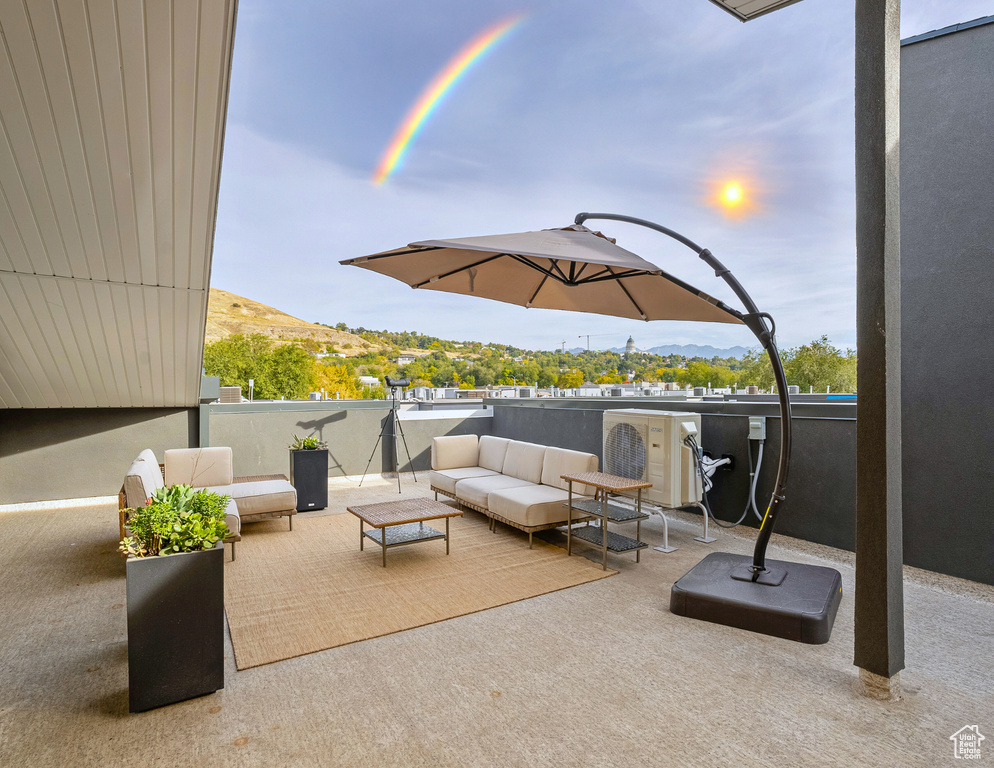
574,268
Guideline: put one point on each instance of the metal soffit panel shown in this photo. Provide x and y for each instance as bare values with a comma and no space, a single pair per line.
745,10
111,131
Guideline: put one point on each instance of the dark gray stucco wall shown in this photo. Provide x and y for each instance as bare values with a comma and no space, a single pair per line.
259,434
69,453
947,251
821,493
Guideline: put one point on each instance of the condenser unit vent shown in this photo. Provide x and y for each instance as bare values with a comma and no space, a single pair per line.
647,445
624,451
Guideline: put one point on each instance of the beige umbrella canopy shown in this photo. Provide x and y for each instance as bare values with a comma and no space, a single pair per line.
573,268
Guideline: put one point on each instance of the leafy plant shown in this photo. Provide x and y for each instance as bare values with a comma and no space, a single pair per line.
176,519
306,443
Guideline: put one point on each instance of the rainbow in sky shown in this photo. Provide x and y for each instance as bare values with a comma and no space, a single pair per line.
432,96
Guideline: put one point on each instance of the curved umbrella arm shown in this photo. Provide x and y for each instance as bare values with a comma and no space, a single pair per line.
756,321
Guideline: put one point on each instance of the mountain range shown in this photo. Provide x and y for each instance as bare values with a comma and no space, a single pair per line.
687,350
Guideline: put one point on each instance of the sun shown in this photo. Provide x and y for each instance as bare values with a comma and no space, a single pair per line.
732,194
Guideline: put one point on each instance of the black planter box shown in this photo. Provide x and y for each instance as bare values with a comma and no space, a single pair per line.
309,476
175,627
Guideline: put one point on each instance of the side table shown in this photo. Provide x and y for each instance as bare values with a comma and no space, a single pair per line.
606,511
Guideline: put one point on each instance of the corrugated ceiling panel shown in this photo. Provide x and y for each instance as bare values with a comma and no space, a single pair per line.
91,97
25,348
21,179
110,141
211,97
43,165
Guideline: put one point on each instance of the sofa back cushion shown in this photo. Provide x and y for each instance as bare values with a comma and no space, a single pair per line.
199,467
524,461
454,451
492,452
560,461
143,478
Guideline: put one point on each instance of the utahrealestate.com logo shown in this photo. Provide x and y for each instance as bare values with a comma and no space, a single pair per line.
966,743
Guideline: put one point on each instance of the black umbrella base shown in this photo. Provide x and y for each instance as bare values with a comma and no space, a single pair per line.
790,600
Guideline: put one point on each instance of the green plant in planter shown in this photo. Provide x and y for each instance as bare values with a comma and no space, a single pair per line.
176,519
306,443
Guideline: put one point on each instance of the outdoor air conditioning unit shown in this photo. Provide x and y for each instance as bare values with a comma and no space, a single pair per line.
648,445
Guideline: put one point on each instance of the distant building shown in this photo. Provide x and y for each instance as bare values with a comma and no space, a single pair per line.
630,346
405,359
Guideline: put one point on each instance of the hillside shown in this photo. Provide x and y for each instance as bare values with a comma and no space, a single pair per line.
229,314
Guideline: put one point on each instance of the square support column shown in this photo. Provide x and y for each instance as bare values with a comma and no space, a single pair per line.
879,592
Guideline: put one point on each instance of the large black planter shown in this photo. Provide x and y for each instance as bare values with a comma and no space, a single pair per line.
309,476
175,627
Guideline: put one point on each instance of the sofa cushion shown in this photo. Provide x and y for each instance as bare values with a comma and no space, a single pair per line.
199,467
524,461
492,451
530,505
475,489
452,451
260,496
445,479
143,478
232,519
560,461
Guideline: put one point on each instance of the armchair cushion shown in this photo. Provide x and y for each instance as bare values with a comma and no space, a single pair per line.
199,467
232,519
259,497
143,478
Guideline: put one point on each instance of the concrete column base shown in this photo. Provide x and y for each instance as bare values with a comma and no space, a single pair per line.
878,687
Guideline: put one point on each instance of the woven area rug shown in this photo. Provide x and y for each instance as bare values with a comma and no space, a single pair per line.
291,593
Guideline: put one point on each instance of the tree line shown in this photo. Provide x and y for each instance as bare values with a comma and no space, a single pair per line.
290,370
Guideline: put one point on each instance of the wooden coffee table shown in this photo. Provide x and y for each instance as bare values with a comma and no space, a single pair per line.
395,523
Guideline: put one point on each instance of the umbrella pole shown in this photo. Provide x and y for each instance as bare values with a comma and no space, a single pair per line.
756,321
790,600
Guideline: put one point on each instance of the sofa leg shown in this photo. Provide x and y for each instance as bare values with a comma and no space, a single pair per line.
232,551
529,539
291,521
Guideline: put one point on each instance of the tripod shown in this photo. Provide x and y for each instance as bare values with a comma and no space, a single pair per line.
395,428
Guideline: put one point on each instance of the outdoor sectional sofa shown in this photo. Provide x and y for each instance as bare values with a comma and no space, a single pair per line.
252,498
512,482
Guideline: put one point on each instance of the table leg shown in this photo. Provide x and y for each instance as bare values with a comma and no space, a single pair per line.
638,525
361,537
569,520
383,543
446,535
604,527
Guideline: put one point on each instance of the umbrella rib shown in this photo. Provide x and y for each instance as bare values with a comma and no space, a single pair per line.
436,278
533,265
600,277
534,295
562,275
634,303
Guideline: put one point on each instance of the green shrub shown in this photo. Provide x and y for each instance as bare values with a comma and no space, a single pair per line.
311,443
176,519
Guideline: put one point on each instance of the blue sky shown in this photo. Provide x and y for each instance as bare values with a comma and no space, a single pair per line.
642,107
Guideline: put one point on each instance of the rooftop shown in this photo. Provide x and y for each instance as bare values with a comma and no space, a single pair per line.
601,673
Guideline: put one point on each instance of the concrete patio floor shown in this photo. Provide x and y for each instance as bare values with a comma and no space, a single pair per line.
600,674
